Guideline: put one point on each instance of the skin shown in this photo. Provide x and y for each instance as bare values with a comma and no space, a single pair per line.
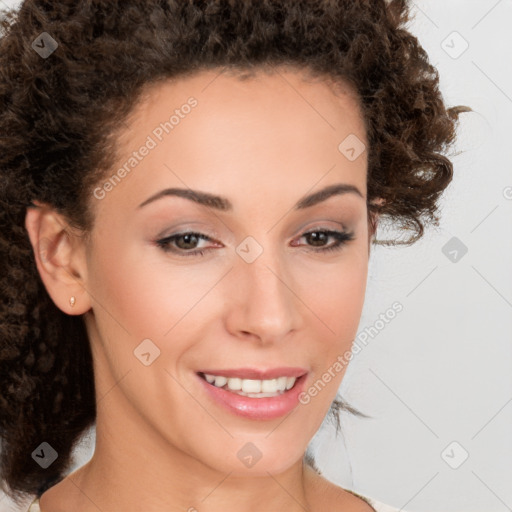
161,443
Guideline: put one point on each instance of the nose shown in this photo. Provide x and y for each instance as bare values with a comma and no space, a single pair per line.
265,303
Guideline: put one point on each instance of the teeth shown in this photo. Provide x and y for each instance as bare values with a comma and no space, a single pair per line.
234,384
220,381
290,381
248,387
209,378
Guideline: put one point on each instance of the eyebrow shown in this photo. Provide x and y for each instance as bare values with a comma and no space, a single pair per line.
224,204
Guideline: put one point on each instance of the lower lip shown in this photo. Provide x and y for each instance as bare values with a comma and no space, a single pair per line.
256,408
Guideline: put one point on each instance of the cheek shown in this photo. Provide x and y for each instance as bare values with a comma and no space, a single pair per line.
336,306
136,300
336,295
141,296
336,298
138,289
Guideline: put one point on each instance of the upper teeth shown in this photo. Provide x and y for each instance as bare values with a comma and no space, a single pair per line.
251,385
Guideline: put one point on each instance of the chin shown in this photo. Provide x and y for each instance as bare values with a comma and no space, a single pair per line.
249,460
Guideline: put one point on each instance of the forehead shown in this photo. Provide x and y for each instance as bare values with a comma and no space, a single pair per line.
280,130
241,94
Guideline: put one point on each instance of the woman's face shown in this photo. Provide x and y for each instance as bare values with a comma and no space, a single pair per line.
263,295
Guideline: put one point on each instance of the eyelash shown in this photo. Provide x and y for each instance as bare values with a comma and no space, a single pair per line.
341,237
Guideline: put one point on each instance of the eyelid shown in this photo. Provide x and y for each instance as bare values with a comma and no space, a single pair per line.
323,225
190,227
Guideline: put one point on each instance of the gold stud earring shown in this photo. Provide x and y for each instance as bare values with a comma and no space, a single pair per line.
72,301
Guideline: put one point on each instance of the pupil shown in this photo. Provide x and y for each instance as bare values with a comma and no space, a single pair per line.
187,237
317,236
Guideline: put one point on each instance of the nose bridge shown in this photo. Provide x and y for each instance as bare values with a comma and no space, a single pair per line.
268,306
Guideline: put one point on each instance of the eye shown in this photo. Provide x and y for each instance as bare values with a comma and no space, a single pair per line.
185,244
340,237
189,237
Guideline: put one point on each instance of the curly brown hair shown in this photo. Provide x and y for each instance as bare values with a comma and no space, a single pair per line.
59,117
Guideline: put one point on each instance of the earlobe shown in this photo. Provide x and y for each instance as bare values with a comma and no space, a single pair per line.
59,258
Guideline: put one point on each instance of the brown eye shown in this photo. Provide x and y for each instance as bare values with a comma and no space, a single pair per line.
184,243
318,238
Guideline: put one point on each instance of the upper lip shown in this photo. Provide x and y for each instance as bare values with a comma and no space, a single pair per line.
257,374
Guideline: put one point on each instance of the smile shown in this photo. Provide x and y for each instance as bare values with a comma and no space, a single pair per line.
251,387
252,398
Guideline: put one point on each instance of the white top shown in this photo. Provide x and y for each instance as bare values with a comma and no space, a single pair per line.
34,506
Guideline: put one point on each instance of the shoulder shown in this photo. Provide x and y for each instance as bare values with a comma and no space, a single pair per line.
381,507
359,503
325,495
352,501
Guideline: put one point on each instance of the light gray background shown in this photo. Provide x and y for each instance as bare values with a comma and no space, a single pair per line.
440,371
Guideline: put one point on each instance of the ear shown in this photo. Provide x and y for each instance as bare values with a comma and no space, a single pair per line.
59,251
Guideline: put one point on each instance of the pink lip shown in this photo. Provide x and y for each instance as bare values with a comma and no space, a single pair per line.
255,408
256,374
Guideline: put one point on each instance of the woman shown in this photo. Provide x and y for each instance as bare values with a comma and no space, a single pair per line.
190,191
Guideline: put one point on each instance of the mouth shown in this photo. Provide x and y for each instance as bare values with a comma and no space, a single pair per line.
254,394
253,387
